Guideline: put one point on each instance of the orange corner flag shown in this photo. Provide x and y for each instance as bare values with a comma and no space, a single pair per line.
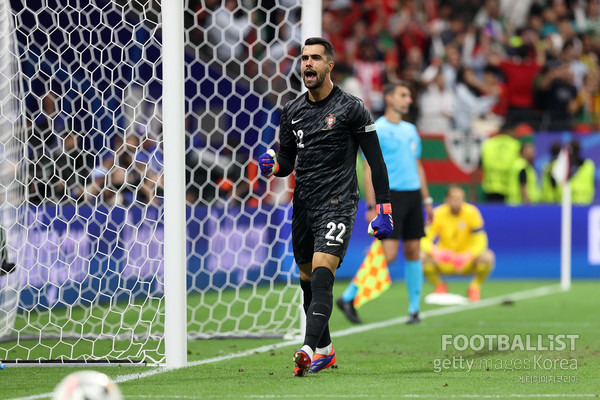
373,277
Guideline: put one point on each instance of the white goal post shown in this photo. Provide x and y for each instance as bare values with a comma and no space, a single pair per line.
133,209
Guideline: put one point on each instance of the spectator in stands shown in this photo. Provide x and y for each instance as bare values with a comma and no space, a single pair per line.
471,102
342,75
588,102
557,97
149,160
370,71
455,32
478,49
488,20
522,178
118,178
46,125
571,56
519,71
437,103
514,12
224,29
452,63
72,163
493,84
550,21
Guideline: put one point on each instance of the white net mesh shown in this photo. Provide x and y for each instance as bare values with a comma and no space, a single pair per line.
241,69
82,200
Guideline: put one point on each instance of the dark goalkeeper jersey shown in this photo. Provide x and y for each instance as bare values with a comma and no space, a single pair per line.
323,139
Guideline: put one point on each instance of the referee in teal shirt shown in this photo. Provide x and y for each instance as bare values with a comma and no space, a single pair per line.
401,147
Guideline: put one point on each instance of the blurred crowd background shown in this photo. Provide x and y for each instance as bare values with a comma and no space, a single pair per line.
477,68
524,73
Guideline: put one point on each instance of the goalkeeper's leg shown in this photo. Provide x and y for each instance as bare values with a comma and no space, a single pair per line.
483,266
324,348
432,274
318,311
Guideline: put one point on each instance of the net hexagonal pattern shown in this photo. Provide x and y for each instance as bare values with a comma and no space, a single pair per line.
82,176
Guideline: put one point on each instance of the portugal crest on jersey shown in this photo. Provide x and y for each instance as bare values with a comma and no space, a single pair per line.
330,120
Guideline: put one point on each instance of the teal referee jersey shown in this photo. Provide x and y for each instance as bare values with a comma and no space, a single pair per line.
401,147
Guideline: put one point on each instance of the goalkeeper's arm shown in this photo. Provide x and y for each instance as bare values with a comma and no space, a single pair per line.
369,144
479,242
382,225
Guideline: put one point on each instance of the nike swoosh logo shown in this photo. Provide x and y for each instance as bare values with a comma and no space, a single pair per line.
319,314
295,121
333,244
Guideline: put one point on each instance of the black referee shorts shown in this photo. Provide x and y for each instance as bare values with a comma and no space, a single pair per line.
407,213
324,231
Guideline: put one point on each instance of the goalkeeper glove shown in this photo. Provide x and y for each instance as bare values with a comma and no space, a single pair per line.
382,225
268,163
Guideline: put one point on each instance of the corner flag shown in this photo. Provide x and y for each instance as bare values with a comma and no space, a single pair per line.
373,276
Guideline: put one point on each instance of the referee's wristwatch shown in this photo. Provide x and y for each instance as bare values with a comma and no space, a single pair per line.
428,200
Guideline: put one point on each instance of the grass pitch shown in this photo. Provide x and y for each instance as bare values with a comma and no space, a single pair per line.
384,358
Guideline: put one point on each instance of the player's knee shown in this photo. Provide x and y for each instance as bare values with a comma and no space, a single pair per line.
321,280
429,265
411,254
305,271
485,261
427,259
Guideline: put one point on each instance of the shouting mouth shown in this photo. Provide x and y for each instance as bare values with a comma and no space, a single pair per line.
310,76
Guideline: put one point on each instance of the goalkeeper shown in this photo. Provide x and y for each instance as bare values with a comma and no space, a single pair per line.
320,134
456,244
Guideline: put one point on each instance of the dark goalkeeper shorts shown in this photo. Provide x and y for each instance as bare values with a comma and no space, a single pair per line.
407,213
324,231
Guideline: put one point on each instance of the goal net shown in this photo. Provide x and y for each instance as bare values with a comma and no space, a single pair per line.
81,200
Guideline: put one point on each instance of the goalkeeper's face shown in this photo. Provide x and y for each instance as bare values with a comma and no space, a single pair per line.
315,66
455,199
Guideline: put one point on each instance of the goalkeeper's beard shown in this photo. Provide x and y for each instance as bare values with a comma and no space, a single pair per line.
316,83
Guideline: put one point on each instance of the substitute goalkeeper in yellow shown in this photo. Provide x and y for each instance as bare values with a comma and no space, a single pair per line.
320,134
456,244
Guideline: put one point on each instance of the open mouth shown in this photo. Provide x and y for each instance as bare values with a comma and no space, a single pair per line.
310,75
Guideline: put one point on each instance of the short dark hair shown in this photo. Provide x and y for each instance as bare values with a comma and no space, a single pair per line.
329,50
390,87
454,186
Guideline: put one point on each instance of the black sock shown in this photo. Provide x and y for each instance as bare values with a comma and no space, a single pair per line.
307,292
319,311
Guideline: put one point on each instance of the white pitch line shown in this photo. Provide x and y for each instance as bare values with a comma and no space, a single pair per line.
372,396
526,294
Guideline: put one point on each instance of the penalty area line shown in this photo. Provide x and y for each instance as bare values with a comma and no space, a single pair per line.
522,295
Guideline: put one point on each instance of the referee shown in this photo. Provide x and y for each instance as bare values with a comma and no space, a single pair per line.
401,148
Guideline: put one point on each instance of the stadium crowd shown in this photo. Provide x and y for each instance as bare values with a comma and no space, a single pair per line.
478,62
475,67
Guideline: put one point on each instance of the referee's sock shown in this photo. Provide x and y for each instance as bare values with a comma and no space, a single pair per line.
319,311
350,292
413,276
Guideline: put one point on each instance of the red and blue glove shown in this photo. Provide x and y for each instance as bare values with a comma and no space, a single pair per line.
382,225
268,163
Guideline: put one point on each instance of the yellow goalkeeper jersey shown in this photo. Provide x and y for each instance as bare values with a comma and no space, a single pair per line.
462,232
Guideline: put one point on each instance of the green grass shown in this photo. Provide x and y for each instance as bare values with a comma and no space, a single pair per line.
390,362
